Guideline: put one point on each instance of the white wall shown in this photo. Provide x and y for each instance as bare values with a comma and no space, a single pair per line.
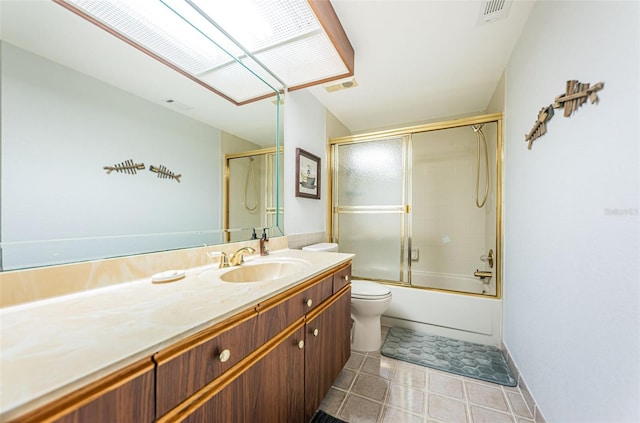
571,315
304,126
59,128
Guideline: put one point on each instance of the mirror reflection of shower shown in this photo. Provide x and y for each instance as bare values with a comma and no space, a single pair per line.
250,198
250,192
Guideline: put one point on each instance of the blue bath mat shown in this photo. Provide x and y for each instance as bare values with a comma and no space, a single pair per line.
463,358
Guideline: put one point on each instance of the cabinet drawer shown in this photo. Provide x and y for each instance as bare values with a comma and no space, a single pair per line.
286,309
184,369
341,278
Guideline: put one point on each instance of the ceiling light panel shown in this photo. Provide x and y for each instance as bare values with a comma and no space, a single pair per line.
305,60
241,49
153,25
174,31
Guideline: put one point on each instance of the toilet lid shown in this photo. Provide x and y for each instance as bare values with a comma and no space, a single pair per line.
367,289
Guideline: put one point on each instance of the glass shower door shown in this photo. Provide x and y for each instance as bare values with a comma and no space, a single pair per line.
369,206
453,219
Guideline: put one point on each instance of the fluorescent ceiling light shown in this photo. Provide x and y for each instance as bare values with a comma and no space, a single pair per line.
244,50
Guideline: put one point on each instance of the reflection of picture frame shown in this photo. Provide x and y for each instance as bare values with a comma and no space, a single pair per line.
307,174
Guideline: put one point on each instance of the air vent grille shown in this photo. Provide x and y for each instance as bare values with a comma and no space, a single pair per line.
351,83
493,10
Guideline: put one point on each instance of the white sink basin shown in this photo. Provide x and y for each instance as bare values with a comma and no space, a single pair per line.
260,270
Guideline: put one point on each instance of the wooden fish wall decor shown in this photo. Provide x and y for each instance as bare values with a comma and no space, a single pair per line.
126,167
165,173
575,96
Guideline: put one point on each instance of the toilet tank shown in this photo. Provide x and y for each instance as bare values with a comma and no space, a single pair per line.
323,247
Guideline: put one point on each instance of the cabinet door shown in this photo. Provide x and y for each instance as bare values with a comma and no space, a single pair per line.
328,347
341,278
125,396
279,312
271,390
185,368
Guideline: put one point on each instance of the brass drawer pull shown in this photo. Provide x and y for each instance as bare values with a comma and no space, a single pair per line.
224,355
309,302
316,332
346,278
301,344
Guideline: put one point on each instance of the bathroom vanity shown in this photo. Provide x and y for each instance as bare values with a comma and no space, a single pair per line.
269,351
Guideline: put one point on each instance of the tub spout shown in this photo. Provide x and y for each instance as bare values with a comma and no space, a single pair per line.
482,274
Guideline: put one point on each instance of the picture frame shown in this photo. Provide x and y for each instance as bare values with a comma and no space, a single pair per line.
307,174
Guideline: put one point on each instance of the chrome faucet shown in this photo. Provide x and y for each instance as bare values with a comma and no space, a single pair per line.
235,259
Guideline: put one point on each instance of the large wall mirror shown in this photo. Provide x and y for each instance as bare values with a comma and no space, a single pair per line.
76,99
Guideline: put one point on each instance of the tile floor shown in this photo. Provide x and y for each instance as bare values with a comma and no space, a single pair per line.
377,389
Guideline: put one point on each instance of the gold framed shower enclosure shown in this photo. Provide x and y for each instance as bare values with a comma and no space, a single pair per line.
402,204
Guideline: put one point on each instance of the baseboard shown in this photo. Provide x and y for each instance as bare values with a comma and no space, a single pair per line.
526,393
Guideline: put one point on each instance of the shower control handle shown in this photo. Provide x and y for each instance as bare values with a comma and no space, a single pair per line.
488,258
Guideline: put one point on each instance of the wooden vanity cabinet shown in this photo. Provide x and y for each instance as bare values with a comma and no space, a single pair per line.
277,313
304,336
189,365
341,279
125,396
327,348
270,390
271,363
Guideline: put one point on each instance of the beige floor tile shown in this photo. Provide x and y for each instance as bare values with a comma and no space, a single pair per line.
355,361
486,395
406,398
446,409
360,410
485,415
370,386
518,405
407,374
376,388
345,379
382,366
332,401
392,415
445,385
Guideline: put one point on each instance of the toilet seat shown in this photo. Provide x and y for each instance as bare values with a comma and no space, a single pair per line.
366,290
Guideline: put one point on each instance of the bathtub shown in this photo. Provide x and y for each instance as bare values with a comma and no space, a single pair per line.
451,282
467,317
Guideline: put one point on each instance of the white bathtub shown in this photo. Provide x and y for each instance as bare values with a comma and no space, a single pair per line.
451,282
466,317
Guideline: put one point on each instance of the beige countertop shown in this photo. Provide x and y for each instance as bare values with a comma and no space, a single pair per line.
52,347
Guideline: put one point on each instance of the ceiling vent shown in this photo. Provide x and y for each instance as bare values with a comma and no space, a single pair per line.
493,10
350,83
176,104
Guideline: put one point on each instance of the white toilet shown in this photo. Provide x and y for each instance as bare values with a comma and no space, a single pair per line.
368,301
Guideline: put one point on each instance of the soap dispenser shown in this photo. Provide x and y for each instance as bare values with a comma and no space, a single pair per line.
253,234
264,243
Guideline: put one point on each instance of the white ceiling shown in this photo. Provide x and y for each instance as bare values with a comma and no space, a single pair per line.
419,60
416,60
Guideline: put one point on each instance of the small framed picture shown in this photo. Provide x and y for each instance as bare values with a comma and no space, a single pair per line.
307,174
